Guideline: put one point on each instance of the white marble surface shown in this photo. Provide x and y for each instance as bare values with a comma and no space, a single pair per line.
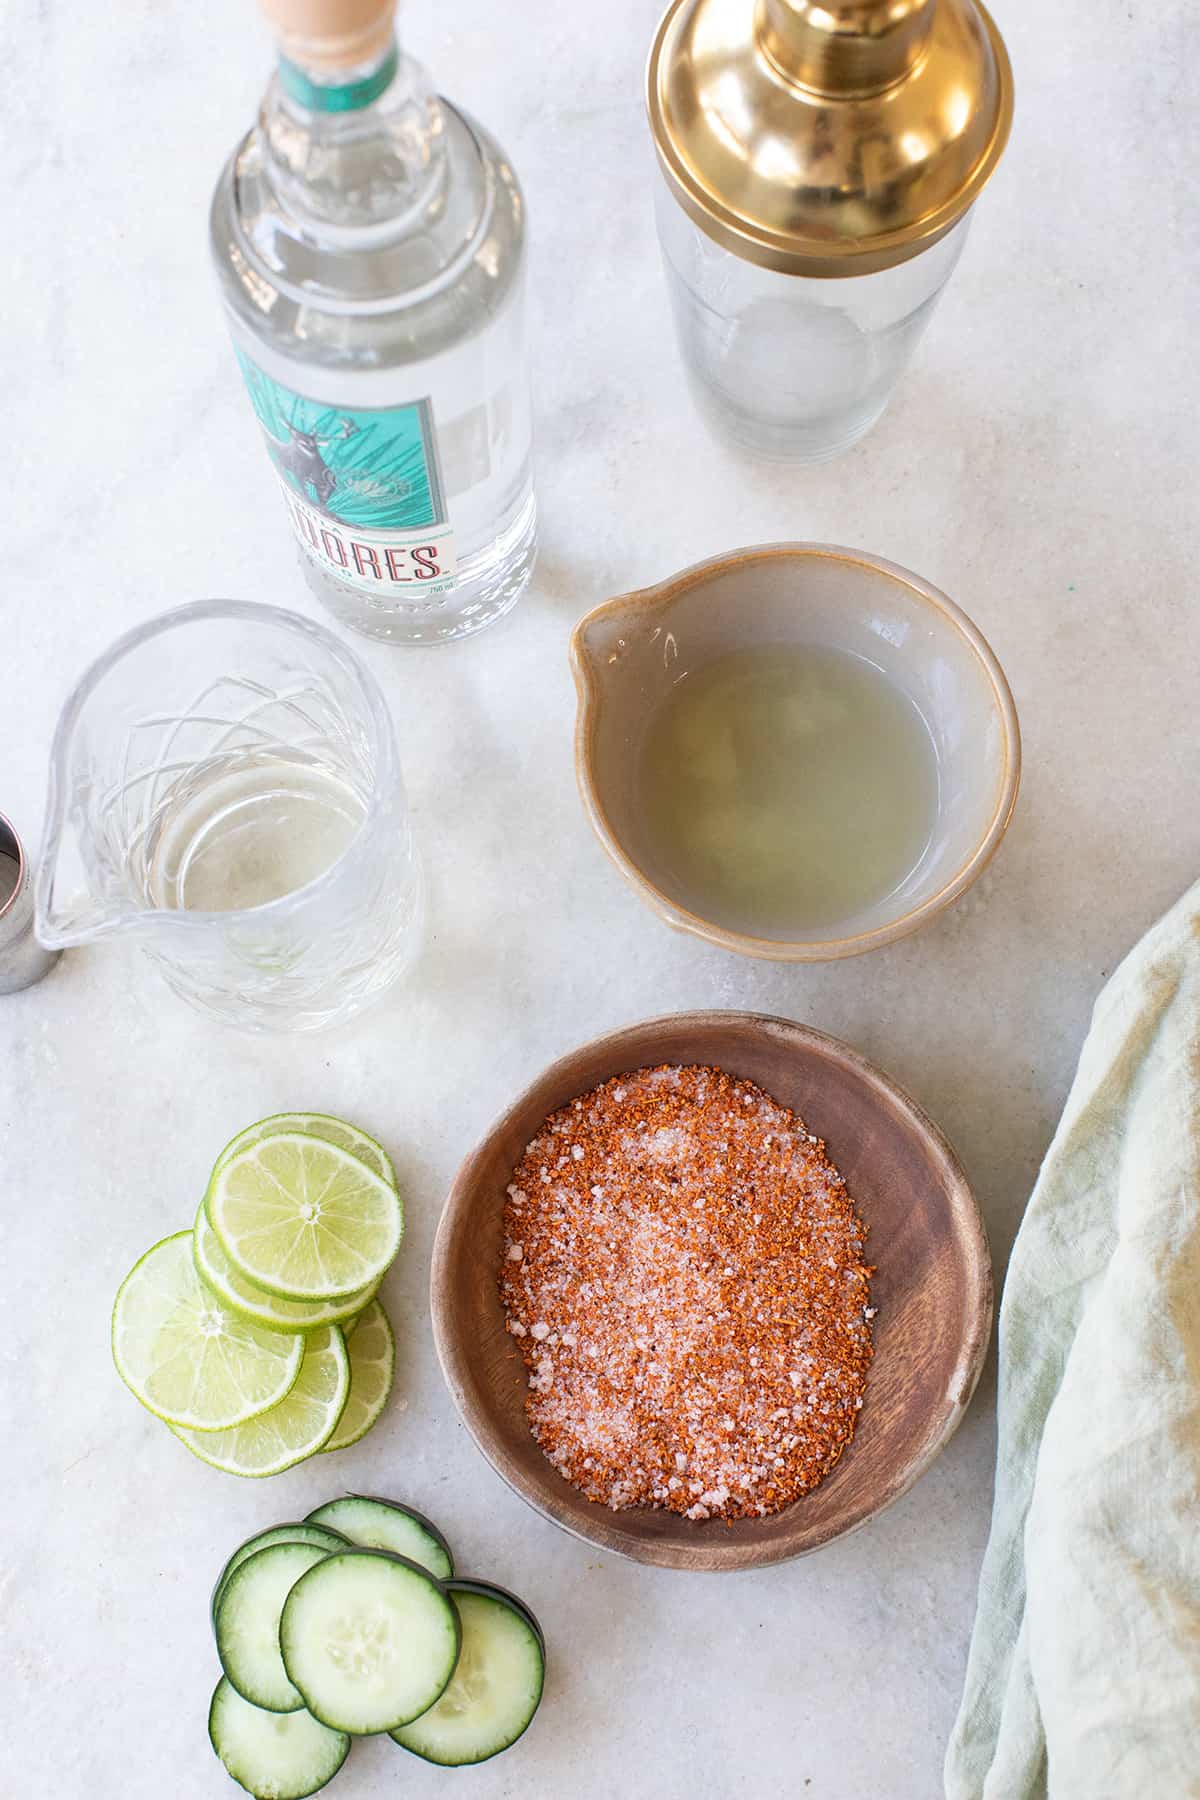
1039,464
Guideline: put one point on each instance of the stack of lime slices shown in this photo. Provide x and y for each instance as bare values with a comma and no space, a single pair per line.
258,1336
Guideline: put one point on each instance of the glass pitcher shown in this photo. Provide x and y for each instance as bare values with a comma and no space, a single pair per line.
224,784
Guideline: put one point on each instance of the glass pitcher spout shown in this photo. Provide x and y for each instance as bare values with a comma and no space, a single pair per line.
82,886
70,910
224,783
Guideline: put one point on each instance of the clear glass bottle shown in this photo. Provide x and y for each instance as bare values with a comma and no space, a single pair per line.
369,240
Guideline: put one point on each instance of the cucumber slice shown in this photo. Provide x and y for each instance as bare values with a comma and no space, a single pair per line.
369,1640
496,1686
300,1533
385,1525
464,1584
274,1756
247,1623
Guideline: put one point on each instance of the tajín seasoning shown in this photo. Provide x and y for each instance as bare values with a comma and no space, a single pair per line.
684,1275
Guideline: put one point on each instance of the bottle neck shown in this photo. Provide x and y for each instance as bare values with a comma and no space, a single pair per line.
340,90
356,149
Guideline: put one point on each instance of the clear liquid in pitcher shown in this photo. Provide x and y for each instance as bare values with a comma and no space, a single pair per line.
236,837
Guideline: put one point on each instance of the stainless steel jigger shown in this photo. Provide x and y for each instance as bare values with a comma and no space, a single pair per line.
22,959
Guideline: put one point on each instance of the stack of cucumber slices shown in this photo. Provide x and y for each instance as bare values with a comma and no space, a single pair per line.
257,1335
350,1623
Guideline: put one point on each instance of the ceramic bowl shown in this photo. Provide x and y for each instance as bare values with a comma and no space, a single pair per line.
933,1286
628,652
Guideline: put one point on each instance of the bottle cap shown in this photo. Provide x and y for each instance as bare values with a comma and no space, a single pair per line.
828,137
331,34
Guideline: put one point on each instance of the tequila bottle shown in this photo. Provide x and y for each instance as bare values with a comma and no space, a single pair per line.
369,239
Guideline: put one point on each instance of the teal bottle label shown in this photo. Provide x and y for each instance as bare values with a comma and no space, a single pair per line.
363,486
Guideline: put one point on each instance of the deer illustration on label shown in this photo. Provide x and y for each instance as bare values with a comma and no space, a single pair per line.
301,459
362,485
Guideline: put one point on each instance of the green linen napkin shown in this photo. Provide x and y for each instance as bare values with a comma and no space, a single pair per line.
1083,1680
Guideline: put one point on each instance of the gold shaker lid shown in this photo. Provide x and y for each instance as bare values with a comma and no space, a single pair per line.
828,137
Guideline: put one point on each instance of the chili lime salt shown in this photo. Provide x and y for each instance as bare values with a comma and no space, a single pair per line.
683,1274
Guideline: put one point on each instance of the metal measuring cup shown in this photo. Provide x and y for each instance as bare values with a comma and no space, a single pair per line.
22,959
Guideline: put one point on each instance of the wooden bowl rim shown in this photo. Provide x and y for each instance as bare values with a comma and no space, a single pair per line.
708,1553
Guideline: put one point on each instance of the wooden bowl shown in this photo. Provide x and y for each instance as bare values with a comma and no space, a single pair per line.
933,1286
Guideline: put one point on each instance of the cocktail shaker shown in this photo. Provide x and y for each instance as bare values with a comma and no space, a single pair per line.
820,159
22,959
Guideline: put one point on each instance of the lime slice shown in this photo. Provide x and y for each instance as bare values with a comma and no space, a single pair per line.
322,1125
187,1357
273,1314
303,1218
300,1424
372,1364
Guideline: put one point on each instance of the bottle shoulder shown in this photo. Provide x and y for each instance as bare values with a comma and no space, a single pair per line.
395,292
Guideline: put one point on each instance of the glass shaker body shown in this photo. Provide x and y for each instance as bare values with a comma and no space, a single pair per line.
794,368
